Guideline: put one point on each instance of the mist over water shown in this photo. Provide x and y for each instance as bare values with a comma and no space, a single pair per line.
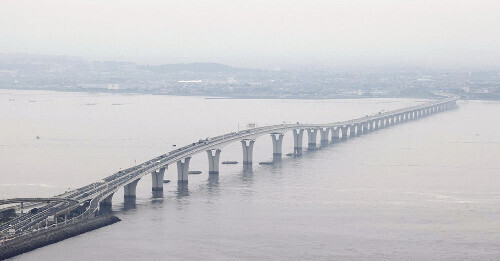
426,189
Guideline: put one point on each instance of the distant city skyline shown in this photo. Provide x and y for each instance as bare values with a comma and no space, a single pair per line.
259,34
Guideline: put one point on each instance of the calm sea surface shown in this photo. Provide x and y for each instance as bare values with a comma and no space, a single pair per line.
424,190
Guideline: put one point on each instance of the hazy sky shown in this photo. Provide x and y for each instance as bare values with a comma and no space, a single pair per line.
259,33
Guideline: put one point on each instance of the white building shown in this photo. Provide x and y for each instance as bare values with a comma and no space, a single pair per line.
113,86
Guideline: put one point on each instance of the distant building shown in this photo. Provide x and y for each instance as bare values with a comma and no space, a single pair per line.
231,80
113,86
189,81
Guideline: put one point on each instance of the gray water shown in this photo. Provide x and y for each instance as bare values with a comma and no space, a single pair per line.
427,189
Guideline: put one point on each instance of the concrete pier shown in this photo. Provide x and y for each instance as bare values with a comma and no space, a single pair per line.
213,161
298,135
324,135
352,130
129,190
359,129
182,170
311,138
366,126
336,134
247,146
382,123
277,144
344,130
107,202
157,177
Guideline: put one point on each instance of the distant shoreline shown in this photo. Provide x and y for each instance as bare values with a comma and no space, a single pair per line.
294,97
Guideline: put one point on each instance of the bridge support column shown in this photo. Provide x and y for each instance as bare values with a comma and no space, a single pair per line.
348,130
277,144
366,126
213,161
130,189
336,134
182,170
298,135
157,177
344,130
247,151
107,202
359,129
311,138
324,135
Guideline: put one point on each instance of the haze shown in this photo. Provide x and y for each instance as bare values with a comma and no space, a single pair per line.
258,33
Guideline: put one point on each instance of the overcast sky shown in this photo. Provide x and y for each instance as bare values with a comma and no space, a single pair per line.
259,33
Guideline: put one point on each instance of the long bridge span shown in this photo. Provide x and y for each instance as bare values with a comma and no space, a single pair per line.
90,198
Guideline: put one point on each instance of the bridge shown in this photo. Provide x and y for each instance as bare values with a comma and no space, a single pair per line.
85,202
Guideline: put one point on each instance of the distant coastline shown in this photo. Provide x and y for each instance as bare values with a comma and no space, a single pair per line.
226,96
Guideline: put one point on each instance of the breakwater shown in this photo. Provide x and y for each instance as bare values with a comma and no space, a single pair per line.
52,235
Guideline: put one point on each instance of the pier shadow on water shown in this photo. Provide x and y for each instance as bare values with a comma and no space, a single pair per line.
157,194
182,190
129,203
213,188
247,173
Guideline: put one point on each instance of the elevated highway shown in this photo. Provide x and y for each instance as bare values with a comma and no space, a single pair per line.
100,193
